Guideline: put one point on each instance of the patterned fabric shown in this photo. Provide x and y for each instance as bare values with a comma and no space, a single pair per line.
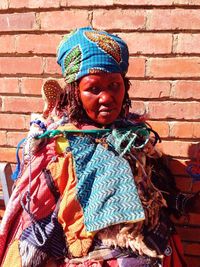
16,219
85,51
46,235
105,186
58,173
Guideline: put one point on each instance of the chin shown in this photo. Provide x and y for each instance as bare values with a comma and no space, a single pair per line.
105,121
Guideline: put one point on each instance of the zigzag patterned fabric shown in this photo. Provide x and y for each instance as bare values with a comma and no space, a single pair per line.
105,186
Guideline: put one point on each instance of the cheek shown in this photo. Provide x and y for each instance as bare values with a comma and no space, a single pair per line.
120,97
89,102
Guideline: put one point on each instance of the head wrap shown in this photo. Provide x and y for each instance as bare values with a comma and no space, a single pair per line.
88,51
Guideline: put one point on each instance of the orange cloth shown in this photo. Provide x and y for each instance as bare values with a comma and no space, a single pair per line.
70,213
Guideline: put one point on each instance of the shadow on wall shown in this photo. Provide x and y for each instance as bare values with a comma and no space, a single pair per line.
187,172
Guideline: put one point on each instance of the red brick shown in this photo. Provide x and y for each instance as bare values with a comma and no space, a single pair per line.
185,129
28,120
183,183
13,138
133,2
21,65
196,130
3,4
136,67
37,44
187,43
174,110
194,2
9,85
194,219
186,90
192,260
2,138
88,3
148,43
23,104
51,66
18,22
31,86
34,4
176,148
173,67
162,128
192,249
187,2
143,2
63,3
189,233
8,154
119,19
161,2
12,121
138,107
149,89
178,166
63,20
174,19
7,44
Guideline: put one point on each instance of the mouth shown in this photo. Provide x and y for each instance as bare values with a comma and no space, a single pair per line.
105,111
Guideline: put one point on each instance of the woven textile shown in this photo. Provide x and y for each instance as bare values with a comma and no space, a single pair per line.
87,51
105,186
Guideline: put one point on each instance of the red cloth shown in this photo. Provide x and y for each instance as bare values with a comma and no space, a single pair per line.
111,263
176,259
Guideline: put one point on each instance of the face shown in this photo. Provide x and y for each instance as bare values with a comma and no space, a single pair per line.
102,96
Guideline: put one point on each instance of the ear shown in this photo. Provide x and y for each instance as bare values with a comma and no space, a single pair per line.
51,91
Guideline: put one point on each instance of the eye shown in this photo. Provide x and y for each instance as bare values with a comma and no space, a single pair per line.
114,85
94,89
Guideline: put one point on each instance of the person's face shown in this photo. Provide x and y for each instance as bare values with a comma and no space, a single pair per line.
102,96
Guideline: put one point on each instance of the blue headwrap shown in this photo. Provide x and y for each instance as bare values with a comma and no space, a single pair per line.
88,51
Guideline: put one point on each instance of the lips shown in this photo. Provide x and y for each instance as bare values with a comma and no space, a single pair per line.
105,111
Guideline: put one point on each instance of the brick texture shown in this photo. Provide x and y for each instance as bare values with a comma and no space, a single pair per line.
188,43
88,3
9,85
37,44
155,43
119,19
181,19
163,38
34,4
18,22
63,21
4,4
173,67
21,65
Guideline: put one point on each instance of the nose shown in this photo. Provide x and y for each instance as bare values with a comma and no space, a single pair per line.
105,97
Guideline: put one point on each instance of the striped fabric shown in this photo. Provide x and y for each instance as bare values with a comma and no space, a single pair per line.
47,235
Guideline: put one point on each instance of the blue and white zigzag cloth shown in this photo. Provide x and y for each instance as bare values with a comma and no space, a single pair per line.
105,186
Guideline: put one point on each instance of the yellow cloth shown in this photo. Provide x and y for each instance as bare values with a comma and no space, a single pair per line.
12,257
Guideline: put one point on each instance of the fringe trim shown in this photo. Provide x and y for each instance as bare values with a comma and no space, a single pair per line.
30,255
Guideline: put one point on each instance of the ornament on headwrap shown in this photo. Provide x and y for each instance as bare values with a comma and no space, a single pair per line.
87,51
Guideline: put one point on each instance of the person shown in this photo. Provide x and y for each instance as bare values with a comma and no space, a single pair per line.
92,188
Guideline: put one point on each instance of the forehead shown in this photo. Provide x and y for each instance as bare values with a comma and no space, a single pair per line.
101,77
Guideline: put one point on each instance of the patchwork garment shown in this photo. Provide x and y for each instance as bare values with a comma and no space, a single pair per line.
79,203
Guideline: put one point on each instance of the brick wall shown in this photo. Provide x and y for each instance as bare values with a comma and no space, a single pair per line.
163,38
